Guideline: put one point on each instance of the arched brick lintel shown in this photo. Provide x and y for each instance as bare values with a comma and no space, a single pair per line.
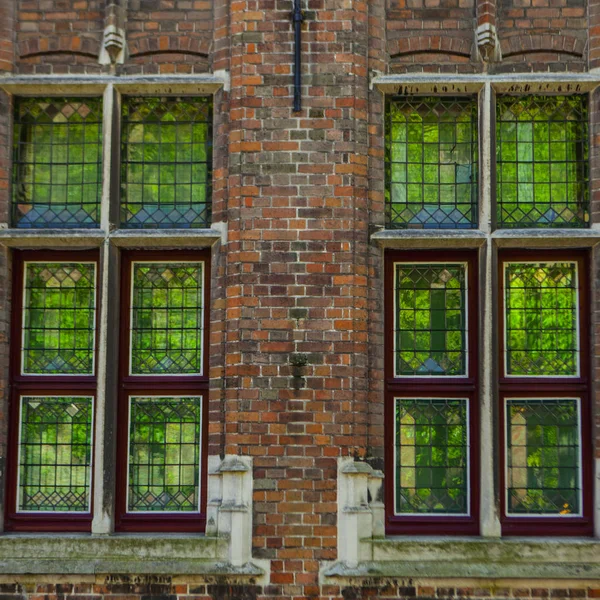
33,47
528,44
430,44
169,45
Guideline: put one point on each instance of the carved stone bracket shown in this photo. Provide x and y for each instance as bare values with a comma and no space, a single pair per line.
488,45
360,510
229,511
114,43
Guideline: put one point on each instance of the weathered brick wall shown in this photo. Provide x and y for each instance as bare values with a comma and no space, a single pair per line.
168,36
542,34
59,36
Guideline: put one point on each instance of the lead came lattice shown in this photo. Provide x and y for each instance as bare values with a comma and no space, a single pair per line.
543,456
431,163
431,456
166,318
166,163
55,454
542,161
541,319
59,318
57,163
430,334
164,454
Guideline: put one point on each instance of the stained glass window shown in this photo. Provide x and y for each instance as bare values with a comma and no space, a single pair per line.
543,456
541,330
57,164
542,161
164,454
431,456
55,449
166,162
430,327
167,318
59,318
431,163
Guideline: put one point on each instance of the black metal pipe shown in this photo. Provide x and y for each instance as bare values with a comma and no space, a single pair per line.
297,17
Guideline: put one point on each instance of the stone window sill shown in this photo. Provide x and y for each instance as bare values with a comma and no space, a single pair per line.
514,558
174,554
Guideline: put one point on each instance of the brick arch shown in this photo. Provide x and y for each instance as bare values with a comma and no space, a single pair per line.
428,44
529,44
163,44
40,46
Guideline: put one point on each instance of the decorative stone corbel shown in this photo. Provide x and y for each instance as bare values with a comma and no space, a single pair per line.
229,511
360,510
113,47
488,45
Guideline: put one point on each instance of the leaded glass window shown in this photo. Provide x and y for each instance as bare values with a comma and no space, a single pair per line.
55,450
431,163
431,456
164,454
166,162
57,162
430,311
541,319
59,318
543,459
542,161
167,318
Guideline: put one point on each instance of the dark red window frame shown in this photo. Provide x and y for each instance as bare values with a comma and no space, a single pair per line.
432,387
537,387
196,385
67,385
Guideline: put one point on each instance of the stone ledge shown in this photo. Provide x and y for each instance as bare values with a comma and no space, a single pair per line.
51,238
171,238
478,557
429,238
119,554
546,238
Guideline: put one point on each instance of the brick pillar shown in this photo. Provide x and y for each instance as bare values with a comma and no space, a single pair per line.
486,35
8,26
296,370
594,34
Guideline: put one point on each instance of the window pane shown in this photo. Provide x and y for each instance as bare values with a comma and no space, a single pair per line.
166,318
542,155
164,454
59,317
166,162
431,326
55,450
431,456
57,169
541,302
431,163
543,456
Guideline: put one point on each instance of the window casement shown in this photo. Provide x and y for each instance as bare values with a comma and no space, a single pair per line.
57,163
53,388
163,397
542,161
431,162
545,414
431,392
166,162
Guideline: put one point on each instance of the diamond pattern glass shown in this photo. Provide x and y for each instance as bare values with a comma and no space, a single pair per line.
541,303
166,163
543,457
431,456
164,454
542,161
57,163
59,318
55,453
431,326
431,163
167,318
